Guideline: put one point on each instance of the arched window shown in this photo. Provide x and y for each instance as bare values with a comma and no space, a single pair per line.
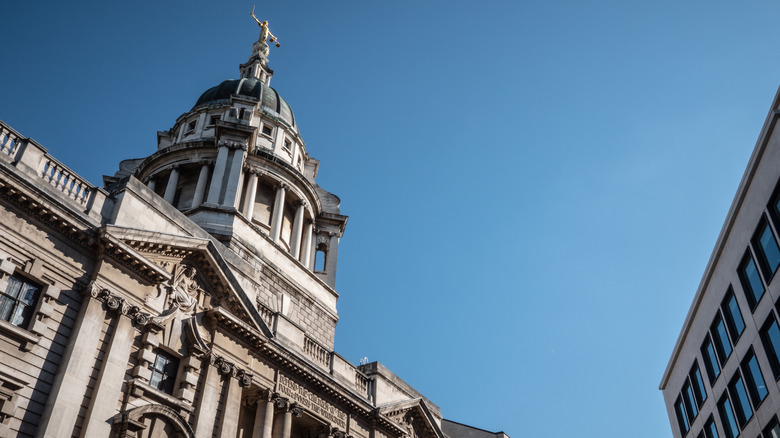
321,257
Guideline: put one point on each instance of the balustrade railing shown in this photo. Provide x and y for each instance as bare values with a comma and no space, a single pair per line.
31,158
361,382
316,351
266,313
9,140
65,181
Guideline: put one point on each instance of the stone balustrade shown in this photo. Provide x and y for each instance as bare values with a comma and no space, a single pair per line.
9,140
33,160
65,181
317,352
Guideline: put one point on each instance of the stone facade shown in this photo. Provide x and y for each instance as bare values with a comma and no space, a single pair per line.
191,296
722,377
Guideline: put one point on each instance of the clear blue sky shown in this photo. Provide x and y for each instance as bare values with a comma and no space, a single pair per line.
534,188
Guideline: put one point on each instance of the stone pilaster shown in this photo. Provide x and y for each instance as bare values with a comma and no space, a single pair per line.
70,383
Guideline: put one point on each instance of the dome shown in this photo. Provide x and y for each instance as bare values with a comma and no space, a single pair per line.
249,87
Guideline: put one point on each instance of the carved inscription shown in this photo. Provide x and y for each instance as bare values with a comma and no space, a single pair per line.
311,402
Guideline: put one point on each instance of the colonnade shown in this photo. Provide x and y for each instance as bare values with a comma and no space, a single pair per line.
302,228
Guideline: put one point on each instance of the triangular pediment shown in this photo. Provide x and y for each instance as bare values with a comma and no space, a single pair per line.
414,417
187,271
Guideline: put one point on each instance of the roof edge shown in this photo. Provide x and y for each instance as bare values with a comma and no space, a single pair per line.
736,204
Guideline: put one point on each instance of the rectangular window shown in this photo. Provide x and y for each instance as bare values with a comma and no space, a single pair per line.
753,378
751,281
732,315
267,130
765,247
710,430
727,417
17,302
772,430
720,339
770,338
710,360
739,396
214,119
164,370
691,408
191,127
682,420
698,384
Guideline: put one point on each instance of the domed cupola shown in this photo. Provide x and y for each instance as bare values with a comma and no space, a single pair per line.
237,166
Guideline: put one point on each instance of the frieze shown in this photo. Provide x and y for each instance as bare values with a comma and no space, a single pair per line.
311,402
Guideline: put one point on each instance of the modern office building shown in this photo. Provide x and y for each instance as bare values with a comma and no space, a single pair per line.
722,378
193,294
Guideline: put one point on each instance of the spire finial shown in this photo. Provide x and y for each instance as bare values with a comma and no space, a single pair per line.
265,34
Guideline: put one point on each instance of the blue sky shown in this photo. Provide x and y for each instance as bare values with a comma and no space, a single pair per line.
534,188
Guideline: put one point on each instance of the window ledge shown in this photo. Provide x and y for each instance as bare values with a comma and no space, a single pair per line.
141,388
19,334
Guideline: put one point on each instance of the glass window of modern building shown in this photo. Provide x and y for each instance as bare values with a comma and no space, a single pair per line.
770,338
730,427
765,247
732,315
698,384
720,339
710,430
710,359
682,418
739,396
751,280
754,378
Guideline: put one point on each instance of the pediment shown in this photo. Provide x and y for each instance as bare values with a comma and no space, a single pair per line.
414,417
189,274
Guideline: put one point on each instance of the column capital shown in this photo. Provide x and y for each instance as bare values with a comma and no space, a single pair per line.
283,186
206,162
232,144
302,203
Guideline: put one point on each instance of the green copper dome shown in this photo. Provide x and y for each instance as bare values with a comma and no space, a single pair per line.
249,87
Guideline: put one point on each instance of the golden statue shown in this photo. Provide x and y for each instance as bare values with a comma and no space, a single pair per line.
265,34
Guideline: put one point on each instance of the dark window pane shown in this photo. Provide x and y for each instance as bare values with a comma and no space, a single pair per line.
727,418
710,360
751,281
772,430
721,340
682,420
698,385
741,403
733,316
770,337
766,249
753,378
164,372
17,301
710,430
690,403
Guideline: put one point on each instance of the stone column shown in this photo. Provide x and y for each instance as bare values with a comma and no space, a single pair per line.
200,188
108,388
278,213
151,184
218,175
70,383
232,408
330,263
249,195
295,245
232,188
264,417
290,409
306,249
170,189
